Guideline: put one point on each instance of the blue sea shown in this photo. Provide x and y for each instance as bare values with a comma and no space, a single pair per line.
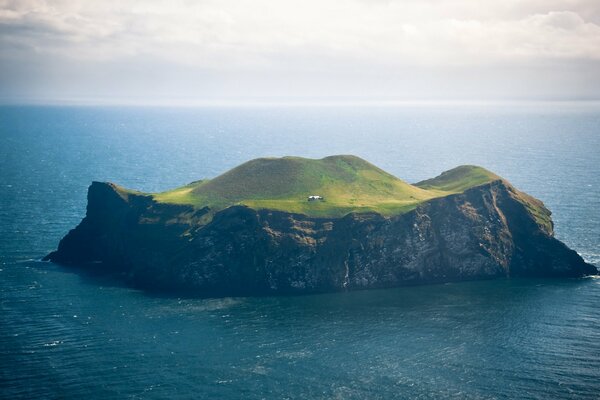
71,336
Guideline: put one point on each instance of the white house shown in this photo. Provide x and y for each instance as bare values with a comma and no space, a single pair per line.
314,197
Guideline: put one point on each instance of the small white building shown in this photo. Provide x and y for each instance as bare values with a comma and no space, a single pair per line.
314,197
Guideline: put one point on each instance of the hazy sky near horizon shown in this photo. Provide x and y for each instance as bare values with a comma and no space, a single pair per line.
182,51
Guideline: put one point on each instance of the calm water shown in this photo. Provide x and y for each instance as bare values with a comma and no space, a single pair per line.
64,335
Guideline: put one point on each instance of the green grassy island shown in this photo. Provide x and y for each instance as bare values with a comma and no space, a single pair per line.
297,225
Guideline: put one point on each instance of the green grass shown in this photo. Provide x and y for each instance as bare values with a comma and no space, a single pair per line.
347,183
459,179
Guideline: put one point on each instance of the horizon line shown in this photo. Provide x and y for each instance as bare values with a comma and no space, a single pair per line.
289,102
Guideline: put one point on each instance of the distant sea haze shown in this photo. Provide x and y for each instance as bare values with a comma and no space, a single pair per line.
66,335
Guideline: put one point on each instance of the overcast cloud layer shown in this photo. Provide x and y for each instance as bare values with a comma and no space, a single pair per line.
329,50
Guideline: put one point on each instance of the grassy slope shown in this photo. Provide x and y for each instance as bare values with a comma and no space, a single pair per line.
459,179
348,183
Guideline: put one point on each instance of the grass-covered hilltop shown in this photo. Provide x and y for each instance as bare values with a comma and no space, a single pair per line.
346,183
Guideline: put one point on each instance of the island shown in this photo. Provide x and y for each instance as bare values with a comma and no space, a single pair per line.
294,225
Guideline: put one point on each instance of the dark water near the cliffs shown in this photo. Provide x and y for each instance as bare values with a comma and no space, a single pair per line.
63,335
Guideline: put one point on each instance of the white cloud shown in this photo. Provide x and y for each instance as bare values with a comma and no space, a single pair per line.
389,32
314,36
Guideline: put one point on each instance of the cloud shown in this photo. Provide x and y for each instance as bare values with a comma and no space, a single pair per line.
309,37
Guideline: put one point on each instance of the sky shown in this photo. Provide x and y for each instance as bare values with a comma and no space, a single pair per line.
226,51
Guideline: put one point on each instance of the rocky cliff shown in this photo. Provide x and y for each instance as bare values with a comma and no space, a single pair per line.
487,231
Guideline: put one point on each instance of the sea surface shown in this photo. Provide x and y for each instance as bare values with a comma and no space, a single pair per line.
69,336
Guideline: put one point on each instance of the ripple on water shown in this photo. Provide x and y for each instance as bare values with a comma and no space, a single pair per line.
537,339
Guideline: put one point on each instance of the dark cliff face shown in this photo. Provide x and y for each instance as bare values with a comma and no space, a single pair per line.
488,231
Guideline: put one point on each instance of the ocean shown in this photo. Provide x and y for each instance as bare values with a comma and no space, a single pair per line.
70,336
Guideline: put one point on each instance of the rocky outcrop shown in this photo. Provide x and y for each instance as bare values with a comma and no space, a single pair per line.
486,232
